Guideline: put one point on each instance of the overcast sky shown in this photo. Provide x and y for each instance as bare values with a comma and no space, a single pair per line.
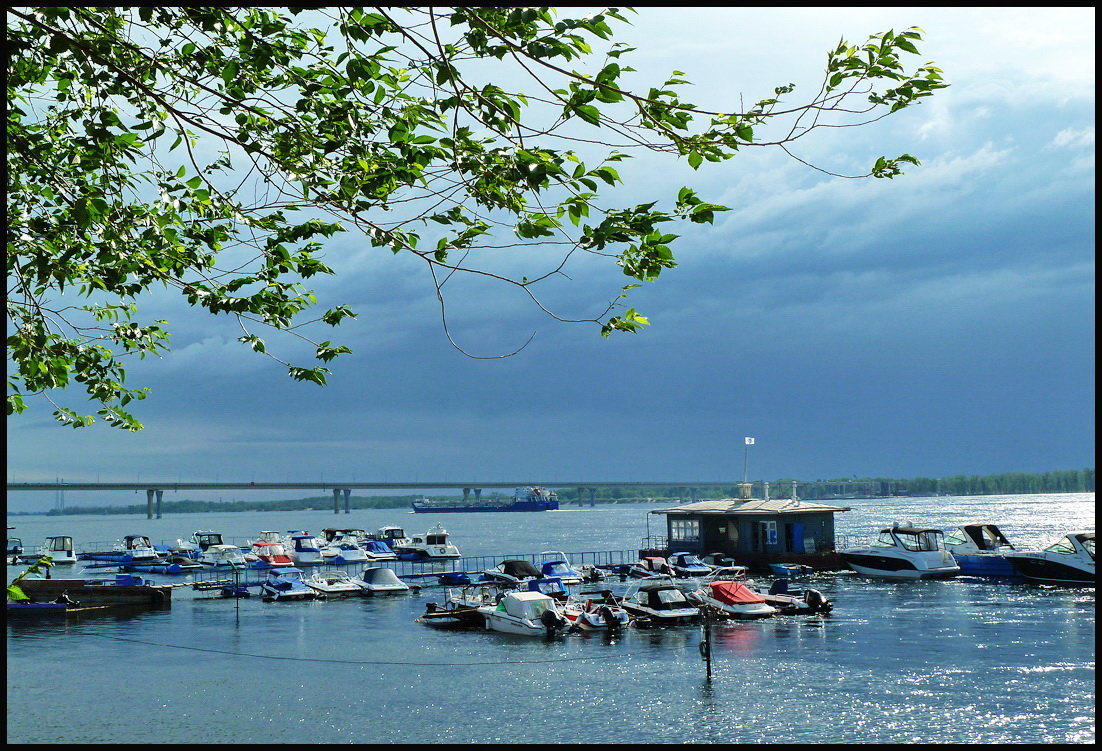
937,324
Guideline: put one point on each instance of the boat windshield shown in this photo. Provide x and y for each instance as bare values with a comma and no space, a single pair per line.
1063,546
1088,545
884,541
920,541
668,599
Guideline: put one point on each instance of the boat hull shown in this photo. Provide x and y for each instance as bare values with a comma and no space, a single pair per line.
985,564
893,567
1046,571
96,593
429,508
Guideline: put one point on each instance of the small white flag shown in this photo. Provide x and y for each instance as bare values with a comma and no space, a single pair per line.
749,441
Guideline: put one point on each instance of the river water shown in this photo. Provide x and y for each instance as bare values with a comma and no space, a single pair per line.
964,660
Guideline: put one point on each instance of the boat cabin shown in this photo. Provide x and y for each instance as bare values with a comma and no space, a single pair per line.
519,569
332,533
752,531
137,542
918,539
977,538
205,539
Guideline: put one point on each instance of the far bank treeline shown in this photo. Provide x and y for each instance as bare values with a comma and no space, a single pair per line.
1015,483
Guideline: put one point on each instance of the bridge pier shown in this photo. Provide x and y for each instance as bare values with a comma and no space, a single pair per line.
347,496
149,503
592,496
336,500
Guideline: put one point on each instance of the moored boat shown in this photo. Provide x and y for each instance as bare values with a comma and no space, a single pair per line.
732,599
58,547
332,584
687,565
123,589
132,549
980,550
221,556
432,545
304,548
598,609
524,499
378,580
285,583
557,565
660,601
525,613
271,553
1069,560
903,552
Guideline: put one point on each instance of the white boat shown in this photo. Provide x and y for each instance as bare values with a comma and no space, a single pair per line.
732,599
222,556
688,565
525,613
285,583
649,567
596,610
378,580
431,545
58,547
270,553
199,541
659,601
903,552
345,548
794,601
1069,560
330,584
394,537
304,548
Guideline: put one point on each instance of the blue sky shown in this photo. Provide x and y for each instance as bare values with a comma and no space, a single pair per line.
940,323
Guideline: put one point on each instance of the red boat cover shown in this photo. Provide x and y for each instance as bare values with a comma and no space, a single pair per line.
734,593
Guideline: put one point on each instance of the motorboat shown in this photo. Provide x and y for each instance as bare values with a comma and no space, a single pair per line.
394,537
790,570
795,602
591,573
330,547
58,547
979,550
132,549
379,580
330,584
345,548
271,553
285,583
512,570
732,599
461,606
199,541
598,609
903,552
525,613
649,567
432,545
687,565
1069,560
550,586
222,556
377,550
659,601
557,565
303,547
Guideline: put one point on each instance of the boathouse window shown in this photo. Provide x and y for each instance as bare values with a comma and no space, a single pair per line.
685,529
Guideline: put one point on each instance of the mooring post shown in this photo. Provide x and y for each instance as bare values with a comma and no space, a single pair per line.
706,642
149,503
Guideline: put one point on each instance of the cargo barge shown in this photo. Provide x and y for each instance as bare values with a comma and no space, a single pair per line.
524,499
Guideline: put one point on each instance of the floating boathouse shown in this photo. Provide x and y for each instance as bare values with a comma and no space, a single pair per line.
753,532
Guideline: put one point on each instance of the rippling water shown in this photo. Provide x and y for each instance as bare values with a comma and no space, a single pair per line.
954,661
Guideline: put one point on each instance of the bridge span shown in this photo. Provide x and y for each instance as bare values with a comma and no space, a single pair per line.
155,490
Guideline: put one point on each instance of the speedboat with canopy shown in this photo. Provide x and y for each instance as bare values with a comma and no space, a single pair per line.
660,602
903,552
688,565
979,550
335,584
513,570
556,565
1069,560
285,583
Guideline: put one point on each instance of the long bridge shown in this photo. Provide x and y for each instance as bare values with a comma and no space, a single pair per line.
155,490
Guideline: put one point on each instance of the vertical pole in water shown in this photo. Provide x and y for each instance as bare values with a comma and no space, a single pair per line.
336,500
237,596
347,494
159,494
149,503
706,642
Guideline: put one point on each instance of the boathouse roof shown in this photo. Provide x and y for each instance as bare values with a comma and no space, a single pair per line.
736,506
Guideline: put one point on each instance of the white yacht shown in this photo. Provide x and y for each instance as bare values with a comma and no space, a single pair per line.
304,548
433,544
1069,560
378,580
659,601
903,552
335,584
345,548
58,547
